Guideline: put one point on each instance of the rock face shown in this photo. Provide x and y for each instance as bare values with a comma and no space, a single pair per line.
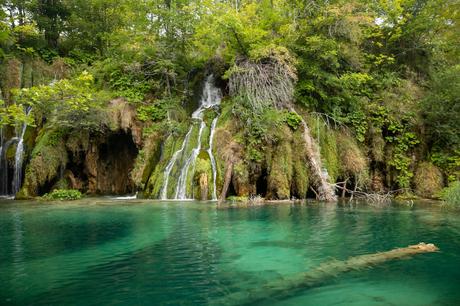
120,160
96,163
108,163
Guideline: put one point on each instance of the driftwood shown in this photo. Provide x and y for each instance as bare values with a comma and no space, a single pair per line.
288,287
370,197
324,190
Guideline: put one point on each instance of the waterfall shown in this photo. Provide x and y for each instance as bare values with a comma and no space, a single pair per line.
167,172
210,98
18,159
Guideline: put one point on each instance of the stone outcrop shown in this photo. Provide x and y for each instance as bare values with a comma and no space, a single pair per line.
96,163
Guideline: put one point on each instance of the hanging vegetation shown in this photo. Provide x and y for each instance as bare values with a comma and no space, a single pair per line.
265,82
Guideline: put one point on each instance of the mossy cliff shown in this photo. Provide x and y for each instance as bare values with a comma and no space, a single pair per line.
263,153
273,164
96,163
130,155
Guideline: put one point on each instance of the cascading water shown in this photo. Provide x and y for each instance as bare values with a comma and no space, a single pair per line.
181,189
211,97
167,172
18,159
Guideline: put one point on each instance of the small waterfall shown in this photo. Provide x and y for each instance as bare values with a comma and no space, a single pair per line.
181,189
213,160
18,159
211,97
167,172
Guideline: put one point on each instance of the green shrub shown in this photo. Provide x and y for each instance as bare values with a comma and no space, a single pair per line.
237,199
451,194
63,194
293,120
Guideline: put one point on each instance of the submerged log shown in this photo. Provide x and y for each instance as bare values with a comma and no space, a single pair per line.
284,288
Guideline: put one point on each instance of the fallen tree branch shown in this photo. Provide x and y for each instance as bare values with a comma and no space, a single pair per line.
370,197
324,190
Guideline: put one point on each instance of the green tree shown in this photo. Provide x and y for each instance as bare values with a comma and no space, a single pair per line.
50,16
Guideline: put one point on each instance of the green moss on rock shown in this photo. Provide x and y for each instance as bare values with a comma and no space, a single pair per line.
300,171
280,168
428,180
48,156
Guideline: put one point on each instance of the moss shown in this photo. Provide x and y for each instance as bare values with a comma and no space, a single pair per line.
300,171
156,178
11,151
146,160
428,180
241,199
353,162
280,168
222,144
170,146
330,156
202,168
48,156
241,179
326,139
226,112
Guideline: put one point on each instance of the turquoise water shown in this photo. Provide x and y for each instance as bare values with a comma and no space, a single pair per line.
105,252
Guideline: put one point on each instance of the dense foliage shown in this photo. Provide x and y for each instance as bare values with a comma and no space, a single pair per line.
386,70
63,195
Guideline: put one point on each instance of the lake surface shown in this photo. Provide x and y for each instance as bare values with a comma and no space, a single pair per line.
106,252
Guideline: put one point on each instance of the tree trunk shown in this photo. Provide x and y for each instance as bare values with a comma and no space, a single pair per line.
323,187
292,285
227,180
203,187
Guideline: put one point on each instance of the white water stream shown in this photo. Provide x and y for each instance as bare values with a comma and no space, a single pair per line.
211,97
18,159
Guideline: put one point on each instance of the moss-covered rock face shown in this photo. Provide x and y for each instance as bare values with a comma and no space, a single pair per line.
428,180
280,168
326,139
48,156
146,160
300,171
202,180
97,163
353,163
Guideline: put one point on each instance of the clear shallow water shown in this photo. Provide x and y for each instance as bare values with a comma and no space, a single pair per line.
102,252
